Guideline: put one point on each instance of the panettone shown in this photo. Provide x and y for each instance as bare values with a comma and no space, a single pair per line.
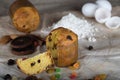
62,51
36,64
25,17
63,46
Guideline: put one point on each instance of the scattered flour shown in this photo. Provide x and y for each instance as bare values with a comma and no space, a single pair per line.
81,27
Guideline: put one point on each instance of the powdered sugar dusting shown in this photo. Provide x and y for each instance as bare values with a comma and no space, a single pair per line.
81,27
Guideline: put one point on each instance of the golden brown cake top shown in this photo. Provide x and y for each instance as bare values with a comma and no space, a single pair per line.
63,36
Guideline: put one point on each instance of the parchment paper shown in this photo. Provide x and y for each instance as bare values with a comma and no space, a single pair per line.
104,58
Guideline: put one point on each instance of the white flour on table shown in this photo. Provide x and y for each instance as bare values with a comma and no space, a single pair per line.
81,27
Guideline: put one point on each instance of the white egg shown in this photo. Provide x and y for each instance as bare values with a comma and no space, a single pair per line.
102,15
89,9
104,3
113,22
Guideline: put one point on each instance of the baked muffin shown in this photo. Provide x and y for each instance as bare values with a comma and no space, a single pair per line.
63,46
36,64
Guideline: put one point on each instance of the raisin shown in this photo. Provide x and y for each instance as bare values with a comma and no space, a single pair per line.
52,48
11,62
55,46
18,67
32,64
24,58
43,43
7,77
38,61
49,39
24,26
90,48
69,37
50,34
31,78
37,71
55,58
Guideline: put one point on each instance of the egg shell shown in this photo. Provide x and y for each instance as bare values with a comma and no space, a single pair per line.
113,22
89,9
104,4
102,15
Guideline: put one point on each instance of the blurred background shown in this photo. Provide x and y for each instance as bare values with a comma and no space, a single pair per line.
45,6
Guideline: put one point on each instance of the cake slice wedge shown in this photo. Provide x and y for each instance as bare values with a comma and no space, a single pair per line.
36,64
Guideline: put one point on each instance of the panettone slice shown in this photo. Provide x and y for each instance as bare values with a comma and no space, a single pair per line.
36,64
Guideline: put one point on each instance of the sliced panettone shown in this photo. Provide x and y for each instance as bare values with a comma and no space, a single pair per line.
36,64
62,50
63,46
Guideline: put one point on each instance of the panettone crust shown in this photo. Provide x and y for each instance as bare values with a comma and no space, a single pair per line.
63,46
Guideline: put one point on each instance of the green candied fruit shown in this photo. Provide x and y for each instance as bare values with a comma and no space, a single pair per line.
57,70
57,76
